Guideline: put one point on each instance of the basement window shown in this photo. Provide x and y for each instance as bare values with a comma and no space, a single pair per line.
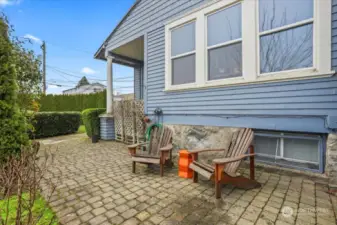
301,151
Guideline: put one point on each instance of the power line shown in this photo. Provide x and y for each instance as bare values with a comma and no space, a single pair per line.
62,81
71,48
68,74
62,85
69,71
72,72
59,46
75,82
66,78
60,70
119,79
59,85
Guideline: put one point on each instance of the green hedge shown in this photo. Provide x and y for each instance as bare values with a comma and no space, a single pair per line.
91,121
49,124
80,102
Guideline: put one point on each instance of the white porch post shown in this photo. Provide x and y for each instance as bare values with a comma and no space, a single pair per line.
109,90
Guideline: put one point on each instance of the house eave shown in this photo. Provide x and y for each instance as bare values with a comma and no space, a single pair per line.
100,54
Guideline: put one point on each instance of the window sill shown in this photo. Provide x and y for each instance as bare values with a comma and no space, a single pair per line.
293,75
265,78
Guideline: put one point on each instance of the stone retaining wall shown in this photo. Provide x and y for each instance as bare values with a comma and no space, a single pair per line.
198,137
331,159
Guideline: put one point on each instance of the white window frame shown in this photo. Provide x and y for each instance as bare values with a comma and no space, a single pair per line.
250,46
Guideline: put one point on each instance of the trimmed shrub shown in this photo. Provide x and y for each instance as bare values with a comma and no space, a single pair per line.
91,121
49,124
79,102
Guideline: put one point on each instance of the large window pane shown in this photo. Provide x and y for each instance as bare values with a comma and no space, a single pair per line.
183,70
224,25
183,39
286,50
277,13
301,149
225,62
267,145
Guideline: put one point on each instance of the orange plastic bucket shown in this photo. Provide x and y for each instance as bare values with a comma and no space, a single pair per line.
184,162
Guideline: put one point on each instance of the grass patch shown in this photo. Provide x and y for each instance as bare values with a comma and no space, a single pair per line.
40,209
81,129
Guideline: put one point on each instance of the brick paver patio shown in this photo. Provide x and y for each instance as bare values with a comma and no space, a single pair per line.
95,186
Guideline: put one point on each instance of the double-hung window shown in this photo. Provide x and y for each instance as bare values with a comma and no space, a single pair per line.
183,54
233,42
286,30
224,43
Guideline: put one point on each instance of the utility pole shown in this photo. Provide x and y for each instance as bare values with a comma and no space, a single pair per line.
43,47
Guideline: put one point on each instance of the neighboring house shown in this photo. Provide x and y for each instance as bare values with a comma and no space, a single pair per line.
267,65
85,89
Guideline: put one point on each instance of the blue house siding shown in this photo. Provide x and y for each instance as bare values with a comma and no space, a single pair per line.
302,105
149,15
293,105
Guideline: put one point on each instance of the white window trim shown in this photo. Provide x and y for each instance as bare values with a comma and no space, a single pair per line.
250,46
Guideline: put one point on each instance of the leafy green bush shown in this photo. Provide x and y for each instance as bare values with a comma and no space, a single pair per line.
49,124
13,129
91,121
79,102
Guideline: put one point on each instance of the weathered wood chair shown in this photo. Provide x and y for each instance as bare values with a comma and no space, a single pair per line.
223,170
158,149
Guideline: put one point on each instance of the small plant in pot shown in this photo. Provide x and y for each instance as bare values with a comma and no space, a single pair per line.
95,133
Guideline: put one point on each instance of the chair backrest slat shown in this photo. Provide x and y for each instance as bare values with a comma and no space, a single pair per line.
154,140
231,168
167,135
235,143
239,146
160,137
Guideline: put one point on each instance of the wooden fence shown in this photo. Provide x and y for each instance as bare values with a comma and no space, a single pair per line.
129,121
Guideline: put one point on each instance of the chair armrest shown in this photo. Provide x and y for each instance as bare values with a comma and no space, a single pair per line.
168,147
233,159
132,148
137,145
204,150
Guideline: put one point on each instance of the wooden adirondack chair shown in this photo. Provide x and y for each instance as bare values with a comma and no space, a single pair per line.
158,149
223,170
